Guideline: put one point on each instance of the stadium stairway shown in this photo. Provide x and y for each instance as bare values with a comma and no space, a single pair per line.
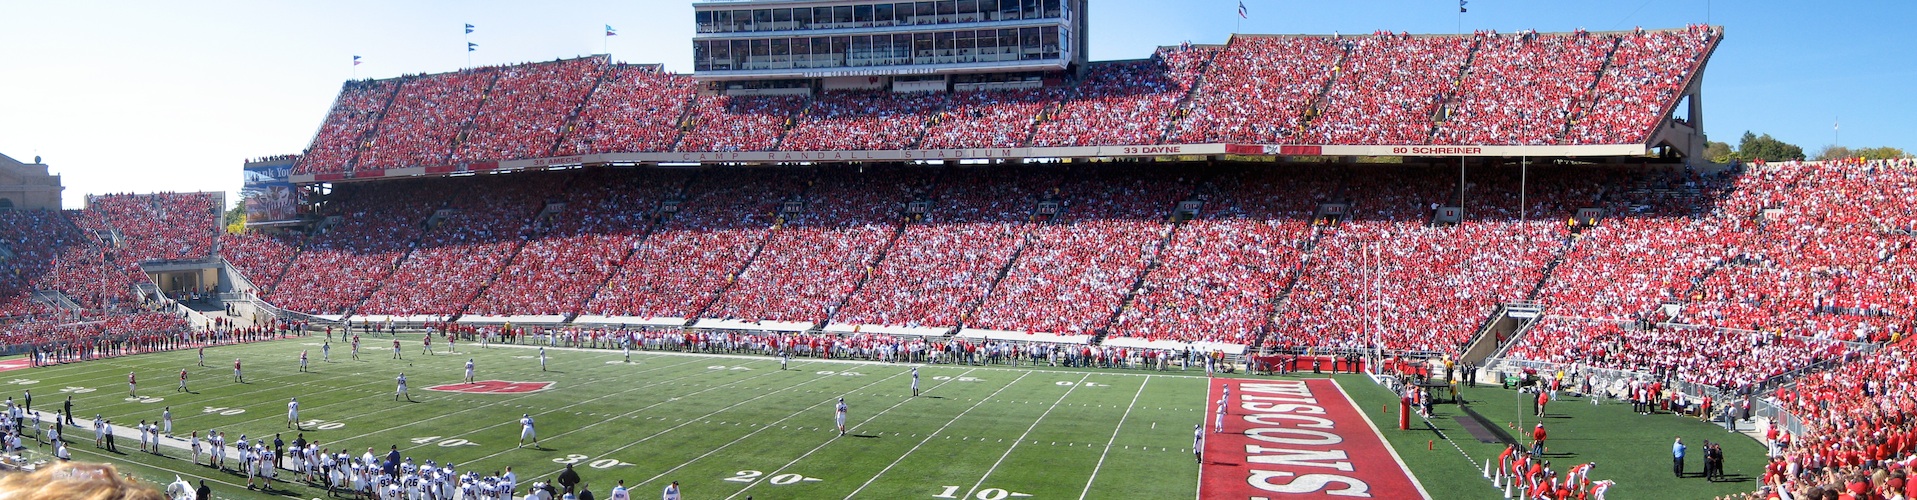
571,120
1173,224
632,249
1590,94
680,124
1449,97
1183,107
466,125
1023,243
1311,110
878,256
352,163
1284,294
387,277
758,248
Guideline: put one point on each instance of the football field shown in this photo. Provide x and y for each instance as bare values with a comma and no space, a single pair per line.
722,426
737,426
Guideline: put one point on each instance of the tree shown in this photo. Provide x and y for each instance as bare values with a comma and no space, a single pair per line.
235,218
1718,152
1833,152
1752,147
1881,153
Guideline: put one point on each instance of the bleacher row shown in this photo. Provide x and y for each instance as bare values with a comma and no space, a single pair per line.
1384,88
72,275
1253,268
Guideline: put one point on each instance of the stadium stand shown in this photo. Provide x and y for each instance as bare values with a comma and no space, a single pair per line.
1258,88
1075,269
343,263
1221,274
727,123
862,119
690,258
421,126
575,250
1489,88
945,262
1387,89
989,119
815,258
1124,102
524,112
347,128
1645,74
466,243
636,108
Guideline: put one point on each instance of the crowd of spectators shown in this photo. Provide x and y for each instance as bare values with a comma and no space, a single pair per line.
378,223
261,256
815,258
1078,266
1522,87
423,123
1119,103
1714,357
162,226
469,240
1387,90
1257,90
1646,73
37,239
635,108
347,127
862,120
525,111
1382,88
944,263
729,123
691,257
989,118
1858,431
1221,273
578,248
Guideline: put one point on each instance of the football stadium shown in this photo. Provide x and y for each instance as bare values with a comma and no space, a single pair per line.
933,250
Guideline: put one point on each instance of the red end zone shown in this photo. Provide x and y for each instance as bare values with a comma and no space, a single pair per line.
493,387
1297,439
15,364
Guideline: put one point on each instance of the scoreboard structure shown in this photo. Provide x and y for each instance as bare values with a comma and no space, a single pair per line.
793,47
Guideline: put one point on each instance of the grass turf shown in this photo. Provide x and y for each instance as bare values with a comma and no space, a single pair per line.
737,426
1632,449
721,426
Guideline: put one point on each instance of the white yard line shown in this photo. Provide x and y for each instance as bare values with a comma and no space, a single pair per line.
821,446
1114,439
928,437
505,401
764,428
1021,437
1381,439
654,405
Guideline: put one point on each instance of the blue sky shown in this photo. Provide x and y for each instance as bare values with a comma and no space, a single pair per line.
143,96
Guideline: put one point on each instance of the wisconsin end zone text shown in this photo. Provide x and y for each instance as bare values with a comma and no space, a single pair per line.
1298,439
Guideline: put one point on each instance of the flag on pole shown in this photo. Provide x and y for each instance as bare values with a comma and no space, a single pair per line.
469,29
1461,5
610,31
1242,13
355,60
470,46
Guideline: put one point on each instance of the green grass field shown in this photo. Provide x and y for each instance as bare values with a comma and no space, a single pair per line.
737,426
